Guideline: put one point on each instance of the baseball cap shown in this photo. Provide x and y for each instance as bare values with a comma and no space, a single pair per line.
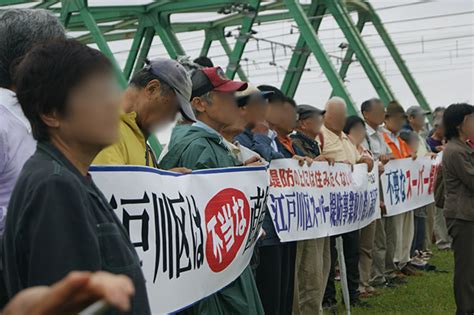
305,111
251,91
213,79
176,76
416,111
393,108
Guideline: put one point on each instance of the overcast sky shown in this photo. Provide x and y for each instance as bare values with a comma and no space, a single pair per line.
437,49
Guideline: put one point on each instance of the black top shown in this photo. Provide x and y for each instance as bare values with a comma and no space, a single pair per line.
59,221
305,144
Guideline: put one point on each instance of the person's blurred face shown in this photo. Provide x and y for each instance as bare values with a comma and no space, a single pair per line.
287,120
376,115
255,111
439,131
223,108
92,113
467,127
357,134
159,108
311,126
417,121
335,117
274,113
236,128
395,122
438,115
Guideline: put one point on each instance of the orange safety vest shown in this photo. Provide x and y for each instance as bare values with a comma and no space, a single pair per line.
400,153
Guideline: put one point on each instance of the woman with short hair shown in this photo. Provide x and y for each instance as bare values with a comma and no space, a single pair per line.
458,174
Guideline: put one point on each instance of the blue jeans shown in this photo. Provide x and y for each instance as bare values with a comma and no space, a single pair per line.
419,237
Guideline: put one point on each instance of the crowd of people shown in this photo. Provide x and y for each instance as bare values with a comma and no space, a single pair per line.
61,111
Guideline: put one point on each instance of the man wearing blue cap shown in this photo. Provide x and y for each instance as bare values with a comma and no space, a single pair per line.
154,97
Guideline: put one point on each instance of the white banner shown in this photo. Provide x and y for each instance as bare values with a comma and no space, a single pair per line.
194,233
322,200
408,184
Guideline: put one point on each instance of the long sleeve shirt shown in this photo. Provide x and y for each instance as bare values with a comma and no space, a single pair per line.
16,146
58,222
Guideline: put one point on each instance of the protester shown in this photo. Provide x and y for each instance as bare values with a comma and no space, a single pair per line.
257,135
394,120
438,113
201,146
73,294
313,258
16,141
416,122
245,99
419,223
437,143
436,140
338,147
275,271
356,131
383,273
253,105
58,219
204,61
155,95
458,172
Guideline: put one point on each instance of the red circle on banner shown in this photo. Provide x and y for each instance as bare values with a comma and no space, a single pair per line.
227,221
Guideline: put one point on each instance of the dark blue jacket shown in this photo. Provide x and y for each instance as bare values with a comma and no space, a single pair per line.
258,143
262,145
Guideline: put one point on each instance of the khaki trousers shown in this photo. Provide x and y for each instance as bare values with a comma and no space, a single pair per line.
313,261
404,224
429,227
443,240
366,243
383,265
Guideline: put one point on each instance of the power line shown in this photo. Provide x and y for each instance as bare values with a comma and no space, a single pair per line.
194,39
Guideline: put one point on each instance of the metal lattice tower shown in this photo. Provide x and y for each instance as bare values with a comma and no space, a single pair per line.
104,24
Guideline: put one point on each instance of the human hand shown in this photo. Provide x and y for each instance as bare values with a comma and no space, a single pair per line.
349,163
254,161
322,158
182,170
381,169
367,160
384,158
72,294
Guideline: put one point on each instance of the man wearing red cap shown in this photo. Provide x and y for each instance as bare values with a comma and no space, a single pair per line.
201,146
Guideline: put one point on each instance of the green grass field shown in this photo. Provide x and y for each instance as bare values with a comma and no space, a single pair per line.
430,293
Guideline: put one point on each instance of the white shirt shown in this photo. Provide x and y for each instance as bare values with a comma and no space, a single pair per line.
272,135
16,146
422,146
375,142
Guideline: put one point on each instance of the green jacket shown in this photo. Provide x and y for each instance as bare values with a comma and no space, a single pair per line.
196,148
